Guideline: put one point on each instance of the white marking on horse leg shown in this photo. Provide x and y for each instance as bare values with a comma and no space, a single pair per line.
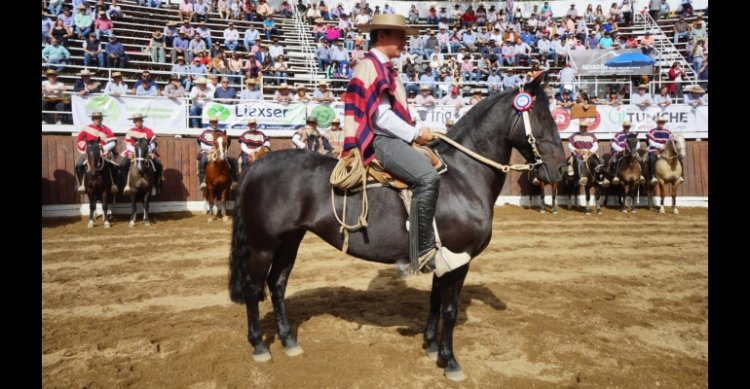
455,376
294,351
131,224
263,357
91,224
106,224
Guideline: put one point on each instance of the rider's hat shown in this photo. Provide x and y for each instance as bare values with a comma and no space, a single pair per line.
336,120
137,116
96,114
388,22
450,122
583,123
311,119
626,123
213,118
252,121
661,119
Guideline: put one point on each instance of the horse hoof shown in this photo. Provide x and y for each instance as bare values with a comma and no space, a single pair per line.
598,212
455,376
676,211
262,357
131,224
588,213
633,211
210,220
541,211
433,355
293,351
146,224
107,225
661,210
91,224
225,219
624,211
554,212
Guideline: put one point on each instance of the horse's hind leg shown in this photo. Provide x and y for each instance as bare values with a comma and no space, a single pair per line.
224,197
450,291
586,207
260,261
277,279
105,209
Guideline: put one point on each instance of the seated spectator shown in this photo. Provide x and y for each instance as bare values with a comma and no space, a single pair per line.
145,77
86,85
231,37
681,30
147,87
156,47
425,98
647,44
196,47
280,70
55,7
251,92
642,99
662,99
283,95
103,26
301,96
225,93
53,98
285,9
114,11
200,11
263,9
83,22
695,96
199,96
92,49
115,53
222,7
116,87
269,27
185,11
205,33
322,95
174,89
55,54
252,35
217,64
187,29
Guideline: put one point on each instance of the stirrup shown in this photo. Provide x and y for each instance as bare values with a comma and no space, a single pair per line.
654,180
605,183
203,185
680,180
615,181
234,185
442,261
81,189
126,191
114,189
641,179
583,181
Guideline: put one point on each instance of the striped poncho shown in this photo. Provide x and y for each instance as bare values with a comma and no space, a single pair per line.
370,82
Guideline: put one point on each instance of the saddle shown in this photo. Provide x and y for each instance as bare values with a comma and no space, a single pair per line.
377,173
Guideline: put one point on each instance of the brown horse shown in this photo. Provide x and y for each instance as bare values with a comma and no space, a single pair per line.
98,181
668,170
629,172
247,160
595,176
218,178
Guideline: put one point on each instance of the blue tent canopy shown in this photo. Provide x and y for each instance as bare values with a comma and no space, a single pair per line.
630,60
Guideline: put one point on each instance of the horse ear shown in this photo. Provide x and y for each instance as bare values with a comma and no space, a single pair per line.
535,85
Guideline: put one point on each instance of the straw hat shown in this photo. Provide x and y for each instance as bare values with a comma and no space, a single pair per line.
213,118
84,72
157,35
51,72
643,86
172,23
424,87
388,22
695,89
626,123
201,80
323,83
661,119
450,122
250,81
583,123
96,114
284,85
116,74
252,121
319,20
336,120
137,116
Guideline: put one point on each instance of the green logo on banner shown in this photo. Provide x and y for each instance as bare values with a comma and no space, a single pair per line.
616,116
219,111
106,105
323,114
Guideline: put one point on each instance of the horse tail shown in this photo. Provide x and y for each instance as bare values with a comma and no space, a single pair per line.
239,255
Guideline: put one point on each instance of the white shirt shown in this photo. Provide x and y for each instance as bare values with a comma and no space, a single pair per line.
386,121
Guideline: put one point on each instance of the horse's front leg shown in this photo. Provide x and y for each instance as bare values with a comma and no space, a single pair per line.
92,208
430,331
133,208
597,197
146,201
662,194
674,197
210,199
224,197
554,199
586,207
450,291
105,208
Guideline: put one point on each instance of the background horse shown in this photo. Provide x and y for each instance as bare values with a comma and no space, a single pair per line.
540,184
98,181
218,180
141,178
629,172
313,141
249,159
668,170
288,193
594,172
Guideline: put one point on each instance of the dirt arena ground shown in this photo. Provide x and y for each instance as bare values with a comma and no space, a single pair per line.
566,301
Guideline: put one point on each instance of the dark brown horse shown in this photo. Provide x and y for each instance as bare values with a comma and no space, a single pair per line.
141,180
595,175
98,181
540,185
288,193
218,178
629,173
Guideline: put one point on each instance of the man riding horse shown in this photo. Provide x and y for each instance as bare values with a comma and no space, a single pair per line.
131,138
377,122
657,139
583,145
619,144
251,141
95,130
206,141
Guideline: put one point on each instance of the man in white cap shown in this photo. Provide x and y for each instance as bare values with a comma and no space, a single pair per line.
335,137
95,131
206,142
137,132
618,144
251,141
449,124
387,133
657,139
199,95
